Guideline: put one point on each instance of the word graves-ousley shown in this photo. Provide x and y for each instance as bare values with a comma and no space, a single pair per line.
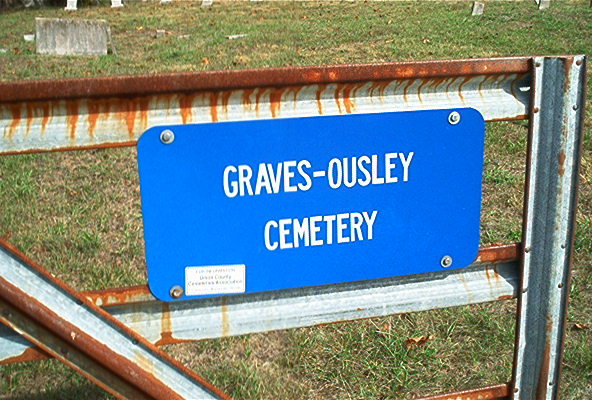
243,207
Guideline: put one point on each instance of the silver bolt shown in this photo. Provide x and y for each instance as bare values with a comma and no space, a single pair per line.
176,292
446,261
167,136
454,118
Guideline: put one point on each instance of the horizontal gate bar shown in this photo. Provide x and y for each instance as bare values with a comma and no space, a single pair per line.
496,392
115,111
45,310
493,277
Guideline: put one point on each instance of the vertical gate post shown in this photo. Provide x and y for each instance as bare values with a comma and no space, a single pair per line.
549,221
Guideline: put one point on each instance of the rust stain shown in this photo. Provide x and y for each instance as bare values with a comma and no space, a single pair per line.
437,82
15,110
186,104
124,295
247,105
419,90
72,117
495,84
94,108
499,253
460,93
144,362
295,90
542,383
225,100
381,86
466,287
370,90
167,99
483,83
336,95
515,118
567,64
406,88
225,320
347,102
214,106
29,118
144,104
166,326
30,354
275,99
452,80
45,119
497,392
130,116
320,90
357,87
561,159
505,297
258,100
496,274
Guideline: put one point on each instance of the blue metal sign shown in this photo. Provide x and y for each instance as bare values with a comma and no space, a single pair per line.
242,207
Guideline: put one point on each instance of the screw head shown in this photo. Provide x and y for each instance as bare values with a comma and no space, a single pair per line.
454,118
176,292
167,136
446,261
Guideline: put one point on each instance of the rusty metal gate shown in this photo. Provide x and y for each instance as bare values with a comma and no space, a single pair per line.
110,336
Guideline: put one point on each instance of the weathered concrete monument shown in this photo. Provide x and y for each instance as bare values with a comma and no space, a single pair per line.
60,36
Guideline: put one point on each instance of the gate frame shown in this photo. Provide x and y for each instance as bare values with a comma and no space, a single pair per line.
555,110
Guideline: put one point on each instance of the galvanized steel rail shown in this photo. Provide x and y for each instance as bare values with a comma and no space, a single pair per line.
66,325
493,277
113,111
555,142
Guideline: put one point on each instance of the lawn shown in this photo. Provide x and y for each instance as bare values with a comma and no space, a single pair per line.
78,213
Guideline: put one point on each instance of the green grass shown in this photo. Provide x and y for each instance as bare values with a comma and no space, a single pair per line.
78,213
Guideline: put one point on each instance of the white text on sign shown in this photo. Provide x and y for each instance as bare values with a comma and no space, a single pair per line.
319,230
242,180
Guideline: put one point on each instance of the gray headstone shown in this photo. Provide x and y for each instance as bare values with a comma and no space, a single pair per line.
72,36
478,8
206,3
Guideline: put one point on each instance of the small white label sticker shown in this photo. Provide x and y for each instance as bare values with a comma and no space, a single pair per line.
215,279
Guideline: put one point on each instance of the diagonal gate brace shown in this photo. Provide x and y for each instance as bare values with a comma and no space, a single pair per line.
67,326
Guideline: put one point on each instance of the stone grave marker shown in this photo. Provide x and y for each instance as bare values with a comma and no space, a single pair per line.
61,36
